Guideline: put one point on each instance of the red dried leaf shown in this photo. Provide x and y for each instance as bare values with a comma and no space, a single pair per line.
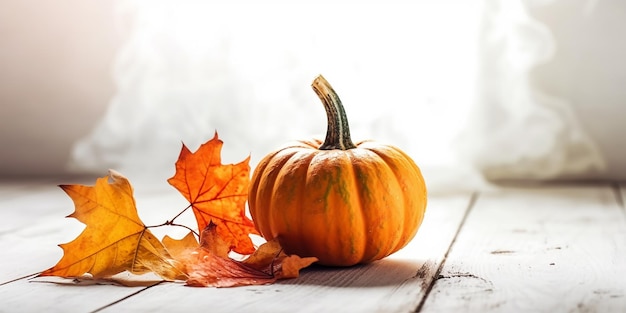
208,266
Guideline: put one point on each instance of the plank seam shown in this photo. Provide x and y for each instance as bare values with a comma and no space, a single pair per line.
19,278
125,298
470,205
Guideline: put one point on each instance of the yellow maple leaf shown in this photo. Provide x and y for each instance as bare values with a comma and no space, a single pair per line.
114,239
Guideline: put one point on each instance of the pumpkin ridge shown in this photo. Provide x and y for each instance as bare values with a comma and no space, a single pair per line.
415,168
286,198
359,201
349,192
282,169
345,191
392,232
408,165
269,178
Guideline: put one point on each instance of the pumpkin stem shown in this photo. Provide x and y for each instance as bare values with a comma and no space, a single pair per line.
338,132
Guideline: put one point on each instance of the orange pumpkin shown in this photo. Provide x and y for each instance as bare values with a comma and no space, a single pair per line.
341,202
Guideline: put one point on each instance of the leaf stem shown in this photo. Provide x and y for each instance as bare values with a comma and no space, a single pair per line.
180,213
171,222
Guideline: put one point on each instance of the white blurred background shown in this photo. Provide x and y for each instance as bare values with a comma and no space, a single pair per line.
496,89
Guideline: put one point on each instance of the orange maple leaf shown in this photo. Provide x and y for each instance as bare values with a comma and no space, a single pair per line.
217,193
210,265
114,239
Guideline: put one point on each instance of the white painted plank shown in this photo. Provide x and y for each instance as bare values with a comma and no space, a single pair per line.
62,297
537,250
34,248
396,284
29,205
28,235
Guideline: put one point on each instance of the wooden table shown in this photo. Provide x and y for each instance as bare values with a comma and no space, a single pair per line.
550,248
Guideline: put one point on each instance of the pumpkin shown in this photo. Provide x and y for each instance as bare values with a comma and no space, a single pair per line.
341,202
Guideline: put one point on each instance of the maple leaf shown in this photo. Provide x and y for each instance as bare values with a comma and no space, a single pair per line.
114,239
180,248
217,193
210,265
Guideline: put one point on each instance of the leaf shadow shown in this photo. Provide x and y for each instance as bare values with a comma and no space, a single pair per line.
386,272
117,280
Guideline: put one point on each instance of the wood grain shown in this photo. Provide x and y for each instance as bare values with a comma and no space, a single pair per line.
29,206
544,249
